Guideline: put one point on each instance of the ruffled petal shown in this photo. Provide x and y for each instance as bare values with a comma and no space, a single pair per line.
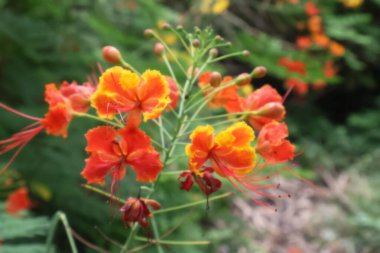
146,164
101,139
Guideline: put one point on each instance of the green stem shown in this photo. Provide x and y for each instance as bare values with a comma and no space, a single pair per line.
129,66
156,235
134,229
196,203
169,66
85,115
105,194
169,242
60,216
226,115
227,56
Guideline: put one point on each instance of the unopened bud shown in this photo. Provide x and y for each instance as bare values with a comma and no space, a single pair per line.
158,49
148,33
273,110
219,38
214,52
215,79
165,26
259,72
246,53
196,43
179,27
243,79
197,29
111,54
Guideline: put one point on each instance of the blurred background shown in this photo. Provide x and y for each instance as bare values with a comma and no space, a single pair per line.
328,51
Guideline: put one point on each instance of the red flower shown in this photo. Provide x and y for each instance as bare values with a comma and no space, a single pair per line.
62,103
311,9
329,69
112,150
293,66
265,105
299,86
18,201
136,210
271,143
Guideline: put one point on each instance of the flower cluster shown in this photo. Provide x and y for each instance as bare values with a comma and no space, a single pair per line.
222,148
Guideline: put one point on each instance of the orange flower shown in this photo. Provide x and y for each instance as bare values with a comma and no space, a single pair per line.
303,42
18,201
315,24
231,156
337,49
112,150
293,65
62,103
271,143
121,90
321,40
299,86
265,105
311,9
136,210
226,97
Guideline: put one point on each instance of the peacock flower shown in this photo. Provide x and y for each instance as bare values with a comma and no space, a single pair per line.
123,91
272,144
321,40
230,155
337,49
329,69
315,24
18,201
293,65
112,150
226,97
264,105
137,210
299,86
63,103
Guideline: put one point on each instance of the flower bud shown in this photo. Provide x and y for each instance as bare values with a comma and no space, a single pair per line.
148,33
165,26
246,53
196,43
219,38
111,54
243,79
158,49
259,72
213,52
215,79
179,27
272,110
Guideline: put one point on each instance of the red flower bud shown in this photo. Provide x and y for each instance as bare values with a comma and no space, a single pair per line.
186,179
158,49
208,183
215,79
272,110
259,72
111,54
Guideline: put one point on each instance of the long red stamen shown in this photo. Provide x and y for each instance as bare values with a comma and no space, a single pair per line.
19,113
19,140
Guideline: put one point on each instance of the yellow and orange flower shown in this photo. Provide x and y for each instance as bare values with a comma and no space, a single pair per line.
337,49
229,152
122,91
231,156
